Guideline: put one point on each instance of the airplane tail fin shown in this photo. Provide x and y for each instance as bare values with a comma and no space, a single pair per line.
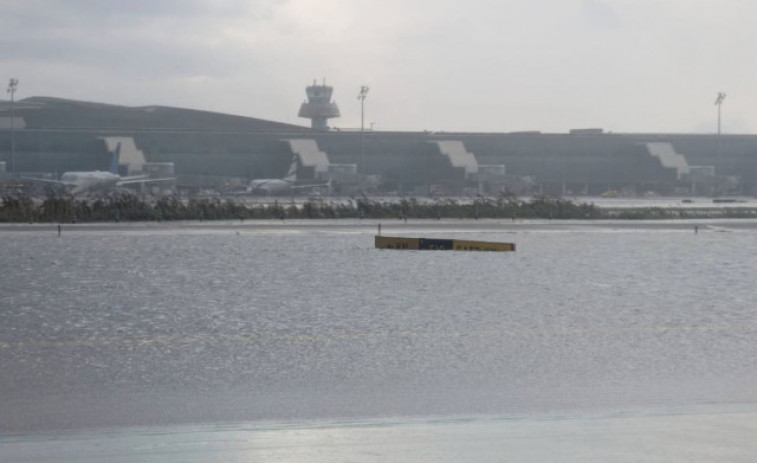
114,159
292,173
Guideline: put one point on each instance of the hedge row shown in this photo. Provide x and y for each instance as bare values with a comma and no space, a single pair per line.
128,207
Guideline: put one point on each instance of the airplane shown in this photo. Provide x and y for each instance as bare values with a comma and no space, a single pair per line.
81,181
282,186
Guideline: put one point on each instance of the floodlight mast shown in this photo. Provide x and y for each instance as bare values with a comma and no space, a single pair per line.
12,85
361,96
719,102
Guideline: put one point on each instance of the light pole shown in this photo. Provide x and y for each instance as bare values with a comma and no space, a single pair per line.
361,96
719,102
12,90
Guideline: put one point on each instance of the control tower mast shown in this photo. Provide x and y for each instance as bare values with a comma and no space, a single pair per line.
319,107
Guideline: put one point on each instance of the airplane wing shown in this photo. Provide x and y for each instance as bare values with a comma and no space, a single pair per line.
129,180
311,185
134,177
45,180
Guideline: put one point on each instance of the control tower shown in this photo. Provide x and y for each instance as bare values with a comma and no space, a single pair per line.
319,107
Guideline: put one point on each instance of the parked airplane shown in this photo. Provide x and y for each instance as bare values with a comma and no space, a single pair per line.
282,186
78,182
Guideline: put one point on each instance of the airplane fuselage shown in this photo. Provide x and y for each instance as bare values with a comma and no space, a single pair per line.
91,177
80,181
270,186
91,180
282,186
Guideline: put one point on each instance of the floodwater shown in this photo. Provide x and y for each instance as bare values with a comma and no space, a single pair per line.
281,342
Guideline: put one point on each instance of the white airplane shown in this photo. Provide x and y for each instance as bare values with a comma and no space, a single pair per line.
282,186
78,182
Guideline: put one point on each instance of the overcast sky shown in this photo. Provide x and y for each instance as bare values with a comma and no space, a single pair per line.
475,65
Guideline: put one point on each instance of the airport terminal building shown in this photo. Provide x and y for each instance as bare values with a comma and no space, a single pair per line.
210,150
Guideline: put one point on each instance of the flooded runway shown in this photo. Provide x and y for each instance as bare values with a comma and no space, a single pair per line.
113,327
694,435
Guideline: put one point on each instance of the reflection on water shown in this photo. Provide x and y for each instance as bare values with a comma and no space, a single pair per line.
703,435
115,328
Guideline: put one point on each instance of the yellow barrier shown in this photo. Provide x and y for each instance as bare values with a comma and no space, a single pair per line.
396,242
391,242
465,245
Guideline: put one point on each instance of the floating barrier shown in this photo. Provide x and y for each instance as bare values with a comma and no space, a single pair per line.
433,244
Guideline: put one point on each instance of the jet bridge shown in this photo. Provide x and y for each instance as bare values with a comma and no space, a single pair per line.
479,178
313,163
458,156
130,156
668,157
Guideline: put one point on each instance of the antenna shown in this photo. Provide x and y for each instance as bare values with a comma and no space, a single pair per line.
361,96
12,85
719,102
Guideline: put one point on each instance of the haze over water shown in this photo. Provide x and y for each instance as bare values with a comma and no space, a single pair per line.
166,325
